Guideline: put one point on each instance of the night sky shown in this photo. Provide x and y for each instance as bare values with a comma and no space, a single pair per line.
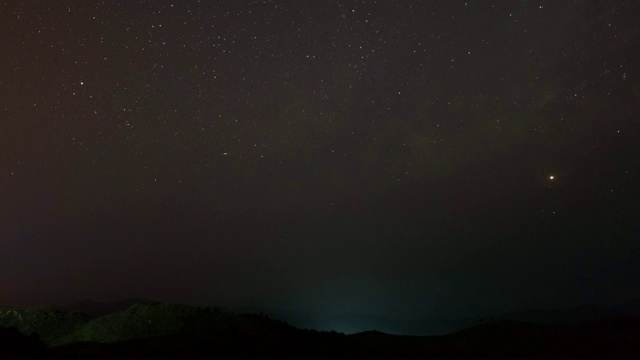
401,158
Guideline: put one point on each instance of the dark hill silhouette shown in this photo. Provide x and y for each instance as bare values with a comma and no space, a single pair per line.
152,329
598,338
48,323
351,323
15,344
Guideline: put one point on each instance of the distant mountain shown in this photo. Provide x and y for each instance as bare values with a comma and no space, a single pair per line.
152,329
49,324
351,323
156,329
139,320
154,319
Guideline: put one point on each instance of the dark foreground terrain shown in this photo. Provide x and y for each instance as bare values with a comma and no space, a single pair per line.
152,329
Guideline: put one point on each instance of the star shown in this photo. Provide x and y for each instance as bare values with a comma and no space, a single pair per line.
551,177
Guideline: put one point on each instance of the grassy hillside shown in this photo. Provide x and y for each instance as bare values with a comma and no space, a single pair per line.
49,324
141,320
152,319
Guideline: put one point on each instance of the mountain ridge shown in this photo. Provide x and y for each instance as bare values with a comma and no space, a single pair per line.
150,328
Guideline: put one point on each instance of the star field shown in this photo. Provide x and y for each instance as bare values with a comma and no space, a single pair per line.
394,157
